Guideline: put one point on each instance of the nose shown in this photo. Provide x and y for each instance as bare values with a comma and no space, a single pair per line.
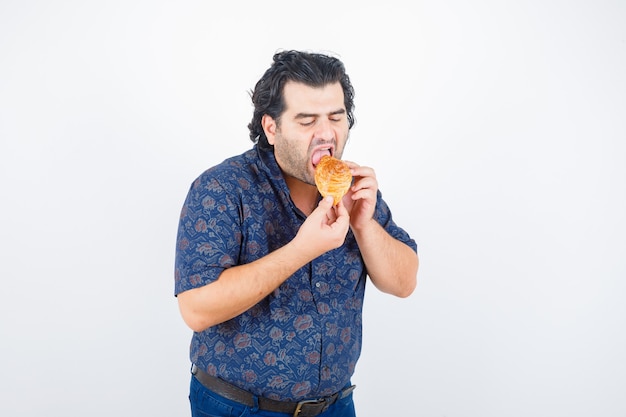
324,130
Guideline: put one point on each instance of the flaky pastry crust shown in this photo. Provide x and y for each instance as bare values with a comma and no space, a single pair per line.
332,177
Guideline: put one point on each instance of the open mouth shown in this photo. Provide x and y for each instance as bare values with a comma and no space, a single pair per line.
317,155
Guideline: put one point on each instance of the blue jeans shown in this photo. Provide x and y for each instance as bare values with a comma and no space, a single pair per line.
206,403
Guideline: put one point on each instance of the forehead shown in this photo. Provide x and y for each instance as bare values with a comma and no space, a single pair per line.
300,97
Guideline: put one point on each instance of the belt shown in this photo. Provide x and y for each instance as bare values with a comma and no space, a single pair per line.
306,408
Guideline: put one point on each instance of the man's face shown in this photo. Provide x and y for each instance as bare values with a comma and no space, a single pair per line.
313,124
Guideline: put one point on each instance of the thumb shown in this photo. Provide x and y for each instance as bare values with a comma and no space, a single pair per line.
323,207
326,203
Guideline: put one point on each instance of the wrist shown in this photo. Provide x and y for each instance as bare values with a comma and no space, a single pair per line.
364,227
300,250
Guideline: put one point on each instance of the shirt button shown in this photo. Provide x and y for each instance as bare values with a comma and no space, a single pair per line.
317,284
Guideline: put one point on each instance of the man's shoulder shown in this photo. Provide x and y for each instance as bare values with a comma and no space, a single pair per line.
231,173
236,165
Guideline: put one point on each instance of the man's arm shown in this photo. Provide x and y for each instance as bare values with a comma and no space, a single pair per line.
241,287
391,264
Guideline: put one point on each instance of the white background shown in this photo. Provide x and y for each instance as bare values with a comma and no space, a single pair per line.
498,133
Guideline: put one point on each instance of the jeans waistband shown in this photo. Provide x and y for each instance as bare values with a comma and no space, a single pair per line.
306,408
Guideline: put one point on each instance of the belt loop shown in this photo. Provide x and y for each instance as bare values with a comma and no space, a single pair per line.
255,407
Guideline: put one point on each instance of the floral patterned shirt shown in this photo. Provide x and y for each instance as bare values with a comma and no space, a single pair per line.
303,340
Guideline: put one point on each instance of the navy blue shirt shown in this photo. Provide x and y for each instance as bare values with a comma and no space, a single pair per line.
303,340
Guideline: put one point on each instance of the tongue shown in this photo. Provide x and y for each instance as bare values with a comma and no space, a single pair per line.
315,159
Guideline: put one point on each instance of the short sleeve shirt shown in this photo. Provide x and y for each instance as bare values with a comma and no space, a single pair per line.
301,341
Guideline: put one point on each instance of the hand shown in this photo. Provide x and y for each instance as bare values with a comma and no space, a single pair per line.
325,228
360,200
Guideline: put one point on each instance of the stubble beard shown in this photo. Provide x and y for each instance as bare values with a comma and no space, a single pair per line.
295,165
292,163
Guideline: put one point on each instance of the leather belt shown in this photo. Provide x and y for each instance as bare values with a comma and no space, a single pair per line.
306,408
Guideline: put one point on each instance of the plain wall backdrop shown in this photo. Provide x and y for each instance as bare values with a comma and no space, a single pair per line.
498,133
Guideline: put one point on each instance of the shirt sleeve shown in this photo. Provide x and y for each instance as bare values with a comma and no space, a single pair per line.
385,219
209,234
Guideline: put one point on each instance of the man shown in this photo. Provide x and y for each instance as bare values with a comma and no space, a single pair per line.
270,276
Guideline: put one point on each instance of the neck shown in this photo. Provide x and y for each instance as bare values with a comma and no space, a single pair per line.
304,195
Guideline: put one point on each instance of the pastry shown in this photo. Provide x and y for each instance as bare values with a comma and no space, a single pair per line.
332,177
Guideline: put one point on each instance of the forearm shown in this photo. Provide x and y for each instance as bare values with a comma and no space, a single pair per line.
391,265
239,288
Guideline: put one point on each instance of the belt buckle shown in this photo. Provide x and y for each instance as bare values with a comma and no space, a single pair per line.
306,402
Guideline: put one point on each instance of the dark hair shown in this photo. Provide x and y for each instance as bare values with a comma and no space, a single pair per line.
312,69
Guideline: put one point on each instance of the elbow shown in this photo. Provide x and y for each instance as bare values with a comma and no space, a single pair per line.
403,287
195,324
402,284
410,282
193,319
408,288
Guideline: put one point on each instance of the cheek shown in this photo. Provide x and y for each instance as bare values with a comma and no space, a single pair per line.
288,153
342,139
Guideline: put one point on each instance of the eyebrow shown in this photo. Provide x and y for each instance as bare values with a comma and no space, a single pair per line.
305,115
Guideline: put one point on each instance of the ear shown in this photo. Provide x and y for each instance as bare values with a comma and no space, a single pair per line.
269,127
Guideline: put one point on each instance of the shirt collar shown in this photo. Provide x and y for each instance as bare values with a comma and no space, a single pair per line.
268,164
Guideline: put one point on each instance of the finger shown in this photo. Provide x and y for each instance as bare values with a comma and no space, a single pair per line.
342,222
341,210
365,183
325,204
331,215
361,171
320,212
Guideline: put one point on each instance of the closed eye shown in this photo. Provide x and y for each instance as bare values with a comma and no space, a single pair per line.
337,116
305,119
309,119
